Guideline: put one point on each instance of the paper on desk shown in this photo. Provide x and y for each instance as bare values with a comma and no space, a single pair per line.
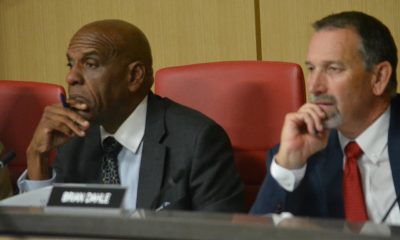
34,198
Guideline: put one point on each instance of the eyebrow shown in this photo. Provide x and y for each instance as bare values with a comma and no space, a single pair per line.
324,62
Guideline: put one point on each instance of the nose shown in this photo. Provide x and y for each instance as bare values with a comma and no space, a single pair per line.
316,82
74,76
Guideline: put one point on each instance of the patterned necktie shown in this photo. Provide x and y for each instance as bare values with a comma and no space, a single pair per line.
109,165
353,196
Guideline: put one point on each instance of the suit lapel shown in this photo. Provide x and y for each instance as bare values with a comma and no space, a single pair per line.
93,154
80,158
89,158
394,143
330,173
153,155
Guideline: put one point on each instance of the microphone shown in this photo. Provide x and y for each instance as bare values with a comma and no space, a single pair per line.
172,181
7,158
390,209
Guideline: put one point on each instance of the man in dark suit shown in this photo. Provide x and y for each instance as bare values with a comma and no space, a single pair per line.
352,62
164,145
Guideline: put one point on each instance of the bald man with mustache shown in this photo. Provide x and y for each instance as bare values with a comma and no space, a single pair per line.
109,97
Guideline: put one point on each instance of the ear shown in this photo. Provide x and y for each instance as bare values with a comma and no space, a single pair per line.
381,77
137,73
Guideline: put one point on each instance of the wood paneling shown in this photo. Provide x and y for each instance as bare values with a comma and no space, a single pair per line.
286,24
34,33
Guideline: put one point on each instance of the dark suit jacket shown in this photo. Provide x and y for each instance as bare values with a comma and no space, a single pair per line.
320,192
175,138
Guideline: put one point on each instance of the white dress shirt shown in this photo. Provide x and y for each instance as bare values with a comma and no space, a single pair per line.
130,136
374,165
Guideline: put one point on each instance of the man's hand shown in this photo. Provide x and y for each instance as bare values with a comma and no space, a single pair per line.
303,134
57,125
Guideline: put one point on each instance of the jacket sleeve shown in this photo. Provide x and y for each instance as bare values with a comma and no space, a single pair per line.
303,201
271,196
215,184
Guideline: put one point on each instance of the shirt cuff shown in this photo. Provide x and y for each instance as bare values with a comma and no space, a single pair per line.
289,179
26,185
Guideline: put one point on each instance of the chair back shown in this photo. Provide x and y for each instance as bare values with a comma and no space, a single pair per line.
21,107
249,99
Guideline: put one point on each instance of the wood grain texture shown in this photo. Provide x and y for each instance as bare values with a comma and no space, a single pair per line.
34,33
286,24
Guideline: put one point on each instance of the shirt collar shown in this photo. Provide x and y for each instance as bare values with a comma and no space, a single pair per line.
374,139
131,131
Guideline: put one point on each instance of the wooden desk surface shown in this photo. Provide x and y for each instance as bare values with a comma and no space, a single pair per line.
40,223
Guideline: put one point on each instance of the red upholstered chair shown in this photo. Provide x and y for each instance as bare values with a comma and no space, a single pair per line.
21,107
249,99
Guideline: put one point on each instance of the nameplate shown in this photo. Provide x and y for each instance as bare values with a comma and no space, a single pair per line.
86,196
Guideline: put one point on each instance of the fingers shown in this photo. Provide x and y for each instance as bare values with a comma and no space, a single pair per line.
303,134
77,105
64,120
56,126
313,117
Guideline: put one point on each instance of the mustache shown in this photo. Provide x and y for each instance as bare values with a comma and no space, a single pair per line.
327,99
334,118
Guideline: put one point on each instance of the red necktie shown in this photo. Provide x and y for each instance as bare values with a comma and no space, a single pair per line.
353,196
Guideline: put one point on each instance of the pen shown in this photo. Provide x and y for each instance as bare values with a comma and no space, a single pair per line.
164,205
63,101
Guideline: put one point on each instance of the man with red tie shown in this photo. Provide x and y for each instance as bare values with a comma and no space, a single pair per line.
339,153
